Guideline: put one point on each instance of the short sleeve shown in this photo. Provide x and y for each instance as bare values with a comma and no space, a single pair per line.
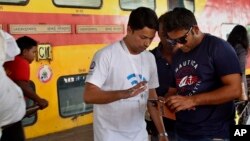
98,70
153,82
226,60
18,69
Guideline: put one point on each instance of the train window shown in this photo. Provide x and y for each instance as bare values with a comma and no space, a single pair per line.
133,4
31,119
78,3
70,91
17,2
189,4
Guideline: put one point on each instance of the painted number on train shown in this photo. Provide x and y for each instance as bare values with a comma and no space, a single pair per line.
44,52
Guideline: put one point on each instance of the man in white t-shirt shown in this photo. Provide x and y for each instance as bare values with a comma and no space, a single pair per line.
122,77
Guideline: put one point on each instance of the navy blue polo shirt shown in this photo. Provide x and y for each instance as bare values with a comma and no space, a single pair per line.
164,71
164,74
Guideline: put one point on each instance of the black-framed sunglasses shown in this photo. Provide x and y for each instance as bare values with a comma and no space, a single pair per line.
181,40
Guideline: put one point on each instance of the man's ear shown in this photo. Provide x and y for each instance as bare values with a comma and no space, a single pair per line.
129,30
25,52
195,30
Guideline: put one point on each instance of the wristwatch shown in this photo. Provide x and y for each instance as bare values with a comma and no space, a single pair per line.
163,134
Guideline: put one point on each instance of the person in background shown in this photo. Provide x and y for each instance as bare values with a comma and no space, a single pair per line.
19,71
238,38
204,84
122,77
163,55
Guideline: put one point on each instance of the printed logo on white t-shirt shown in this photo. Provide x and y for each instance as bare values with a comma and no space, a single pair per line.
135,78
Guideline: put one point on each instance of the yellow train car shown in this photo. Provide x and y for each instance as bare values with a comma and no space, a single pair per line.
70,32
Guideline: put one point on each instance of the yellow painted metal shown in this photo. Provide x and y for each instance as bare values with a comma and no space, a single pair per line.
70,60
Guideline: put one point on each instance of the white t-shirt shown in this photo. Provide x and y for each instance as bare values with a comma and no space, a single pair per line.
113,68
13,106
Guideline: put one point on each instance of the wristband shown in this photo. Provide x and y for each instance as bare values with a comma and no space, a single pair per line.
163,134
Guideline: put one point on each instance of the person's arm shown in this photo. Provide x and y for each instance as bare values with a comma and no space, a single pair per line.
29,93
94,95
171,91
230,90
156,116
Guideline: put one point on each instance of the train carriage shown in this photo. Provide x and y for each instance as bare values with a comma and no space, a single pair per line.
70,32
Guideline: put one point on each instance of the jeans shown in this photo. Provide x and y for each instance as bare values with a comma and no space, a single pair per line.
178,138
13,132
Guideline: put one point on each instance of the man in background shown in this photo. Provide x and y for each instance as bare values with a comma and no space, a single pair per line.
163,55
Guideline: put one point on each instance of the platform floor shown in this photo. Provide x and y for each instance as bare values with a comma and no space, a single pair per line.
84,133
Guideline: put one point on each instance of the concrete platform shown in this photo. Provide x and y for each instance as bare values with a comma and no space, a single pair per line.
84,133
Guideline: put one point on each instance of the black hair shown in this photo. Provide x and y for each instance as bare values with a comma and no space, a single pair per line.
238,36
161,18
178,19
143,17
26,42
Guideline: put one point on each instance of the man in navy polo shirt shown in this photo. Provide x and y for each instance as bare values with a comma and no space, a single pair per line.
206,80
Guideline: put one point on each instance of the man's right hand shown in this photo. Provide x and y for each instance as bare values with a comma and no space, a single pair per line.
137,89
43,103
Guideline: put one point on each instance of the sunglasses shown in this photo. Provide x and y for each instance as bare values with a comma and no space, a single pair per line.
181,40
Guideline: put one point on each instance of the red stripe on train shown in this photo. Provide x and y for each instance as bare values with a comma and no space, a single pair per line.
7,18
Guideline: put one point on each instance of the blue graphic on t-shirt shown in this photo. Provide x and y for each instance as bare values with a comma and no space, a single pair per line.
133,78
